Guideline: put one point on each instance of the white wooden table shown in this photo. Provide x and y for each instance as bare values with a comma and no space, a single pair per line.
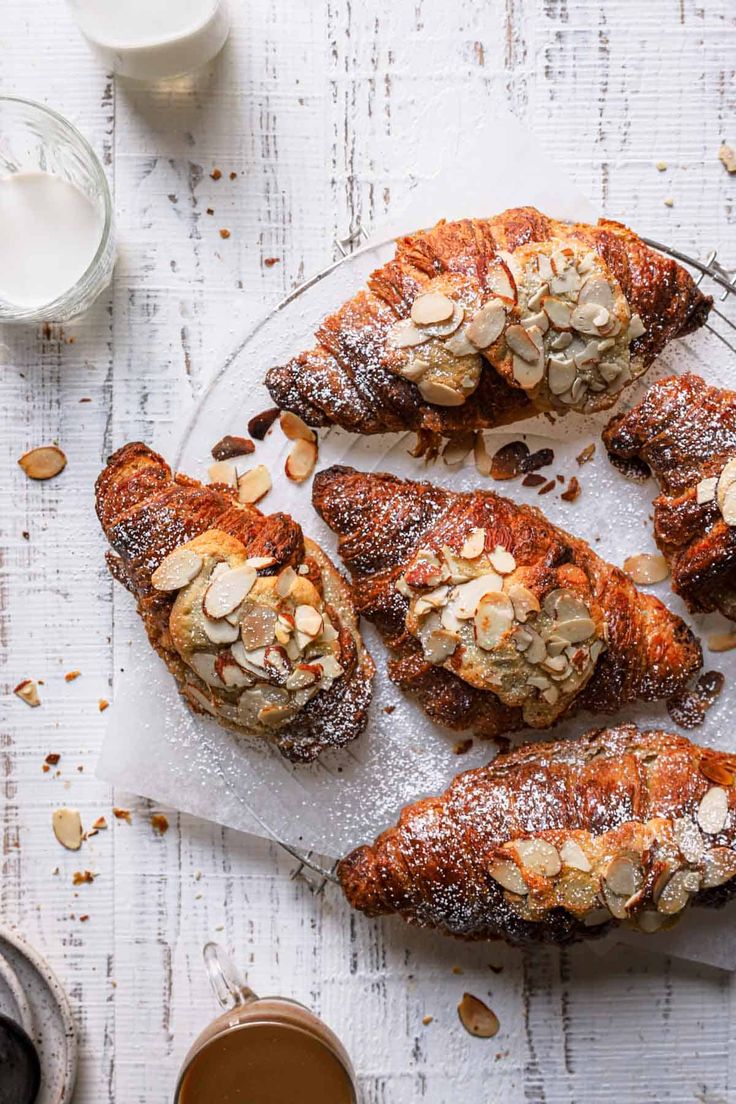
311,105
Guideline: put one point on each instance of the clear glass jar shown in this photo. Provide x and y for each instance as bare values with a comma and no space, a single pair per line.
36,140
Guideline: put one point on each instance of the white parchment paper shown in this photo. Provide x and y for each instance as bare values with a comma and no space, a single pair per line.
155,747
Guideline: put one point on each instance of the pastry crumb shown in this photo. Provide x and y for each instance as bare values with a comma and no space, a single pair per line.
216,174
159,823
103,704
122,814
70,676
224,233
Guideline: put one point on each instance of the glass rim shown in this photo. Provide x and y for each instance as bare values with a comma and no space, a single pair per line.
30,313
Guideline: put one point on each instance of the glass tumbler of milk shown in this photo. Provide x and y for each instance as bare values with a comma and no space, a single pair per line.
57,247
151,40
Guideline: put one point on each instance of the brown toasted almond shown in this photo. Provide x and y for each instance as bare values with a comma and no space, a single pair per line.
572,491
67,826
646,568
548,486
542,458
301,460
716,771
586,455
534,479
477,1018
508,459
43,463
260,424
293,427
229,446
722,642
27,690
254,484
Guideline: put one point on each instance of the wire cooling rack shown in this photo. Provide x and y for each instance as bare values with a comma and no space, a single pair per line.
714,279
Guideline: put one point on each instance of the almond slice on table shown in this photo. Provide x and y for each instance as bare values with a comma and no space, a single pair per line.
254,484
44,462
223,472
646,568
67,826
722,642
229,447
301,460
481,455
477,1018
177,569
295,428
27,690
227,591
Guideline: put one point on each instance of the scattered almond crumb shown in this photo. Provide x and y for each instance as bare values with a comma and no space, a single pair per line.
28,691
233,175
727,155
67,826
462,747
389,709
646,568
210,210
100,823
426,1020
224,233
122,814
722,642
549,486
586,455
84,919
669,202
160,823
573,491
103,704
269,262
477,1018
83,877
70,676
52,758
216,174
661,166
457,970
45,768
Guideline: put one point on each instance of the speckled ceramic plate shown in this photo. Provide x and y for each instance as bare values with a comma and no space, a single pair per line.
32,995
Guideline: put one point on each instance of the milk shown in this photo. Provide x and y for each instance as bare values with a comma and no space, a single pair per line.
49,235
152,39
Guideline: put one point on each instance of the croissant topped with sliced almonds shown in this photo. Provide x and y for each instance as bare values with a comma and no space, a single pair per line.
496,618
482,322
559,841
684,431
252,618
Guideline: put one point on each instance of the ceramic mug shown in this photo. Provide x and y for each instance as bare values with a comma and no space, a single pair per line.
263,1050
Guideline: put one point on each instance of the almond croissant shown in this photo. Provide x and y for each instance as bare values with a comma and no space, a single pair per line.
684,432
483,322
497,619
559,841
251,618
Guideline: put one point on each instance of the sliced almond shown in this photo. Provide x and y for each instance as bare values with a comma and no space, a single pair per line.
500,282
177,570
439,644
646,568
573,855
676,893
430,308
457,448
67,826
27,690
722,642
596,291
474,544
636,328
527,375
561,373
260,563
227,591
536,652
458,343
285,581
623,875
726,492
295,428
538,856
508,875
713,810
477,1018
487,324
405,335
223,471
204,665
301,460
254,484
483,459
520,342
308,620
220,632
688,839
719,867
574,632
493,619
43,463
524,601
502,561
257,626
706,490
303,675
557,311
466,597
439,394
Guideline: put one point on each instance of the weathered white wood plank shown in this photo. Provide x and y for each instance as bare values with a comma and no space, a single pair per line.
327,112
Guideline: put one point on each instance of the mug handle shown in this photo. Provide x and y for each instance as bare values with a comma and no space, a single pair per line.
228,983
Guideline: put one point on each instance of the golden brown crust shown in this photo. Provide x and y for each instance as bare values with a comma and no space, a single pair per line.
346,379
684,431
146,512
613,810
382,521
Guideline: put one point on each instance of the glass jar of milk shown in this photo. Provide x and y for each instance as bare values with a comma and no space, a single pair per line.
57,247
150,40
